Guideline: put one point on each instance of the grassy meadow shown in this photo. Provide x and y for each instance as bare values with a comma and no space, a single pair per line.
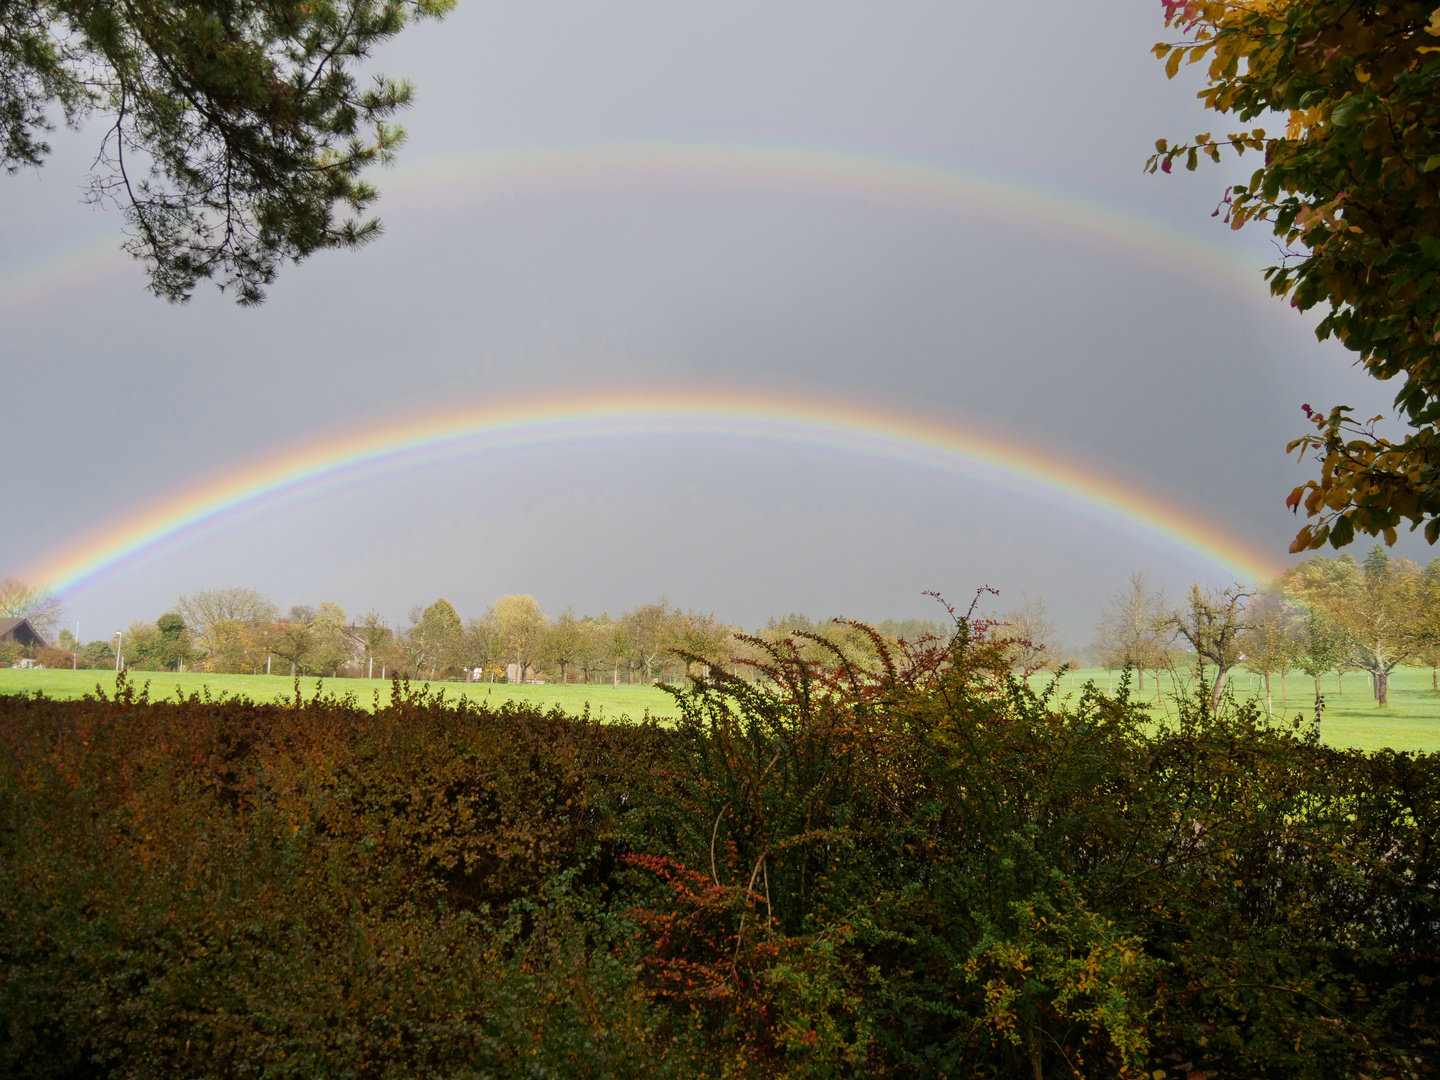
603,700
1411,721
1351,719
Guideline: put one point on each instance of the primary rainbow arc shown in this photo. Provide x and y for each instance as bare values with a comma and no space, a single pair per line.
683,412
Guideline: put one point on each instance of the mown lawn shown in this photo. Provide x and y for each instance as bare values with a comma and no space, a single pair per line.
632,701
1410,722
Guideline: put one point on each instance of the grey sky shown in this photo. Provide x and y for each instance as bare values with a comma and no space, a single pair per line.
115,398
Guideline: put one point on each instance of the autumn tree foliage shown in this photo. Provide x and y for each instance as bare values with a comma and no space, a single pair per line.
234,135
1378,605
1349,181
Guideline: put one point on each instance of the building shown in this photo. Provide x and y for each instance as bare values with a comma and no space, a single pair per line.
21,633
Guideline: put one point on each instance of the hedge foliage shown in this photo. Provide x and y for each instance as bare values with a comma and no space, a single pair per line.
922,870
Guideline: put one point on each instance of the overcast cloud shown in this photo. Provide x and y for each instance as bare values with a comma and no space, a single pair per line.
114,398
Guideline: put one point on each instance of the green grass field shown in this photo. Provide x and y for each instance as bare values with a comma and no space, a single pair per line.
1411,722
609,701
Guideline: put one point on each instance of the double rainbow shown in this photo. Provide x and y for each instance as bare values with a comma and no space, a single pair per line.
827,424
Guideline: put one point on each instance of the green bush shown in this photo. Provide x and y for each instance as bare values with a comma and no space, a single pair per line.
917,869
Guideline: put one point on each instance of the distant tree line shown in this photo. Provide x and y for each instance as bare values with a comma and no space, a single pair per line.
1322,617
241,631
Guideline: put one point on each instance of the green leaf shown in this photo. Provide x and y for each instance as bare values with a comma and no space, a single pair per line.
1342,532
1344,113
1432,162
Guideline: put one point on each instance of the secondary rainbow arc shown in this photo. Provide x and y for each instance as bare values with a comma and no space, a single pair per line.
414,440
943,187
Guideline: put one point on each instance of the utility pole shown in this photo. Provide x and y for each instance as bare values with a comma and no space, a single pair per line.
119,645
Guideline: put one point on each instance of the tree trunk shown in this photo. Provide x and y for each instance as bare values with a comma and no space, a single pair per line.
1269,703
1141,686
1340,684
1382,688
1435,677
292,669
1219,687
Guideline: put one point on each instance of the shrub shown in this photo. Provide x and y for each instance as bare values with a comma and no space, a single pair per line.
52,657
904,865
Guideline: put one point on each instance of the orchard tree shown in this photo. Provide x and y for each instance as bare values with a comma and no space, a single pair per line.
1348,181
233,135
1268,646
1212,624
433,640
173,645
562,643
479,645
1321,646
332,649
705,637
651,634
1426,627
596,645
376,637
621,650
215,613
1133,628
1375,605
295,643
520,624
1025,632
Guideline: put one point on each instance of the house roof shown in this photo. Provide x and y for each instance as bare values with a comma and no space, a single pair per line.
19,630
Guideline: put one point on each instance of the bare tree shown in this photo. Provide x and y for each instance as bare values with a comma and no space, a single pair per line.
34,603
1133,629
1027,630
1269,646
206,612
1212,623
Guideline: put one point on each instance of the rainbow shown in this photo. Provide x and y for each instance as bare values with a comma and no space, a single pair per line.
496,175
943,188
830,424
